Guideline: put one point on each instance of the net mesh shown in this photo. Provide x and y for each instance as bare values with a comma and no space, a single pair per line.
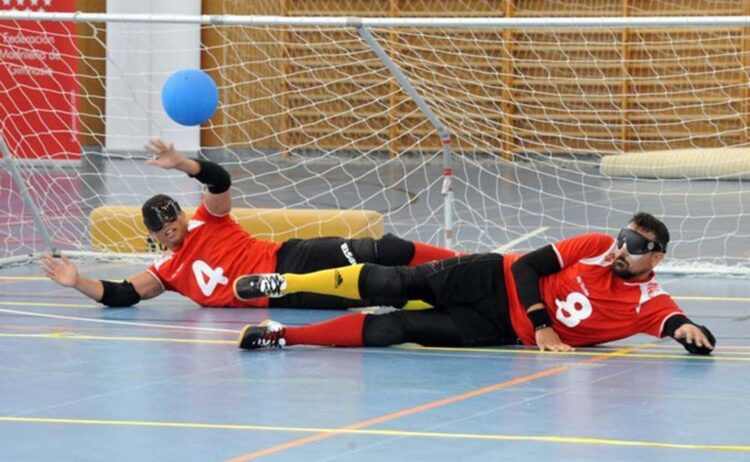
311,118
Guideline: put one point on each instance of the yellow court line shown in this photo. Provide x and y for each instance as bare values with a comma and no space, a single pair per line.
686,356
744,349
383,432
429,406
711,299
74,336
530,351
47,304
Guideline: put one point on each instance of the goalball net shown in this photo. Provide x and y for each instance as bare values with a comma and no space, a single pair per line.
478,133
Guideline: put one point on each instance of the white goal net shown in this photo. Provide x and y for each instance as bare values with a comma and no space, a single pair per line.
311,117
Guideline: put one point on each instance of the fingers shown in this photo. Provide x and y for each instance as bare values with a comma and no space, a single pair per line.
48,265
562,347
548,340
47,261
156,146
164,153
702,341
693,335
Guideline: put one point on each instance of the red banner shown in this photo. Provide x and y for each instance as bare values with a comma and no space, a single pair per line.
38,84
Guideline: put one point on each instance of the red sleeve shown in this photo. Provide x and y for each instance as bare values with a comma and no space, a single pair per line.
202,214
157,267
594,247
655,312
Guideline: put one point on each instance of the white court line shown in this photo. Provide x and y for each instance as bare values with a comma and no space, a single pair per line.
509,245
24,278
124,323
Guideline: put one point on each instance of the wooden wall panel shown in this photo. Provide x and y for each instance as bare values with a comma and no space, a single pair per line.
91,75
246,63
551,91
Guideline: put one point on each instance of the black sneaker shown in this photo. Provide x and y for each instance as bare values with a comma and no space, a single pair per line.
268,334
252,286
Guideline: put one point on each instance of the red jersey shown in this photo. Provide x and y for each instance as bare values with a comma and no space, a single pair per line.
216,250
587,303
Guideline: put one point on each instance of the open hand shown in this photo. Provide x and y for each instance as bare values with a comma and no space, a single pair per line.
62,270
165,155
547,339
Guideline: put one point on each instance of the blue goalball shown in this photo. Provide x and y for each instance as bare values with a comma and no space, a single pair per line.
190,97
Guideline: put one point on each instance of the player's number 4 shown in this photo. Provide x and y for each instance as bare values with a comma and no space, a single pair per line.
208,278
573,310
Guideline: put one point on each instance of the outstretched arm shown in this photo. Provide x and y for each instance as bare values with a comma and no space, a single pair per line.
696,339
217,198
137,287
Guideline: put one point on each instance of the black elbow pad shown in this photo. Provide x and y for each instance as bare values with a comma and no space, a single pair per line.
119,294
214,176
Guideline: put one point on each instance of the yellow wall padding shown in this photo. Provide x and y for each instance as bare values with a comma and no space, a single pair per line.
118,229
724,163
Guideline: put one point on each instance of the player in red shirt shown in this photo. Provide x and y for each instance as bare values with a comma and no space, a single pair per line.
581,291
211,249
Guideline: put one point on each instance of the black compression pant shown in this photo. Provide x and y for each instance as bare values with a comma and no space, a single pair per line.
427,327
468,295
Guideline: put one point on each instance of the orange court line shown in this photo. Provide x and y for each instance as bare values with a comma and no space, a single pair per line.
435,404
399,414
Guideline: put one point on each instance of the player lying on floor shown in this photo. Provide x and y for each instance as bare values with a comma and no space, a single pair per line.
581,291
210,250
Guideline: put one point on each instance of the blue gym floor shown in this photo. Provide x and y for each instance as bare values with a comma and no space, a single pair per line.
164,381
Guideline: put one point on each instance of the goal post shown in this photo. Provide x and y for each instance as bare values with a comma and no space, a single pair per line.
476,133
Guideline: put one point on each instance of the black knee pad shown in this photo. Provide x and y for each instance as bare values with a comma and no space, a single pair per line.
393,251
363,250
383,330
387,283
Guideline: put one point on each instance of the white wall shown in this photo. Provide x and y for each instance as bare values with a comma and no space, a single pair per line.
140,57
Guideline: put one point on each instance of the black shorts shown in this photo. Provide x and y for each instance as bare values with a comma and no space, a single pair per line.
300,256
471,290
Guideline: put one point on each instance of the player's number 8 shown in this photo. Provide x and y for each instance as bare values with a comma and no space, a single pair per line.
573,310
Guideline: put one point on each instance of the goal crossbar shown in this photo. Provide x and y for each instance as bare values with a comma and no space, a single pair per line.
347,21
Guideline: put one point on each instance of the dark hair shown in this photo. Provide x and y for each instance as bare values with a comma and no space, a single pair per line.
648,222
154,201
